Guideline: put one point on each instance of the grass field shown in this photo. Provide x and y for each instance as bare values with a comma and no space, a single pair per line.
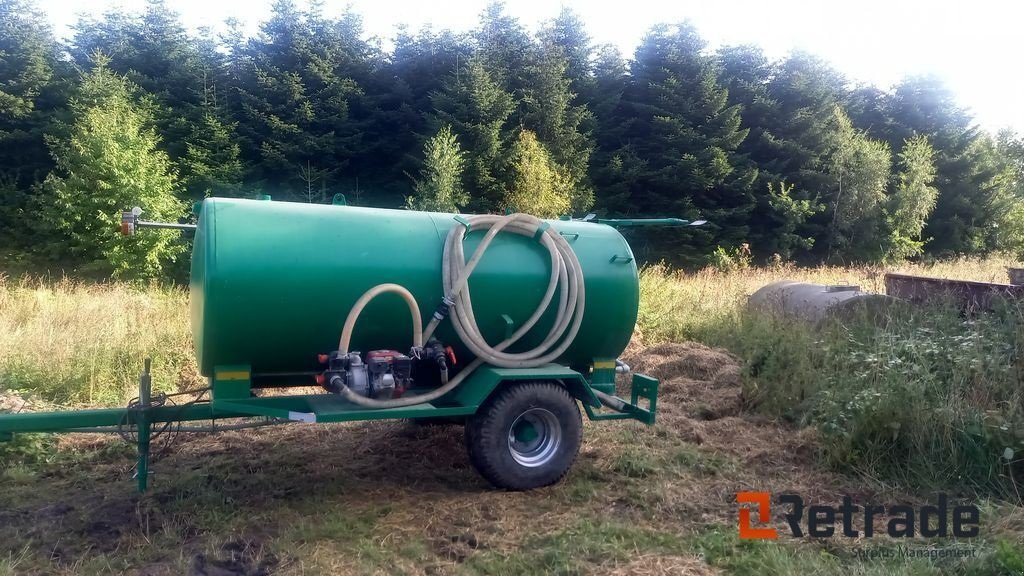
394,497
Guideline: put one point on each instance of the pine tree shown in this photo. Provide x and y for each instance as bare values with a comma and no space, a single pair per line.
31,89
781,211
154,51
787,216
568,34
477,109
679,142
536,184
504,47
211,165
606,170
300,84
439,187
401,94
548,111
108,161
187,78
538,76
792,138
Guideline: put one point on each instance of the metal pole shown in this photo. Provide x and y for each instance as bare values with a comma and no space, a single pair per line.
168,225
143,424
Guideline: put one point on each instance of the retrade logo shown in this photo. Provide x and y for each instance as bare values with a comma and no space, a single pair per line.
852,520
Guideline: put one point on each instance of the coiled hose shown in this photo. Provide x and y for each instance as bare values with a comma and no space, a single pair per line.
566,278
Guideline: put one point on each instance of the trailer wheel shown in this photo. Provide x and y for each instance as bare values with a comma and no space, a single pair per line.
525,436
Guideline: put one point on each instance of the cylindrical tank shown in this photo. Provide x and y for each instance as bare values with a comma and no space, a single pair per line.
272,283
815,301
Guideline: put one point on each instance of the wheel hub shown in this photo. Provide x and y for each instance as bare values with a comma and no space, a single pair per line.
534,437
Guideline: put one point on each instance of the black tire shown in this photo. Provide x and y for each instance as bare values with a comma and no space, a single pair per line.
498,436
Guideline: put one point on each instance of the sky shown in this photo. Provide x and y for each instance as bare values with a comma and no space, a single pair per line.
975,46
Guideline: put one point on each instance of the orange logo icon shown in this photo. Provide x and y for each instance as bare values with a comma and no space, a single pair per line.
764,505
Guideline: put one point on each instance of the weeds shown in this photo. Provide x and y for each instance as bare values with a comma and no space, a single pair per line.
922,395
929,399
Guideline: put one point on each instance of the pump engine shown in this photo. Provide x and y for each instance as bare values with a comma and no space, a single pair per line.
384,373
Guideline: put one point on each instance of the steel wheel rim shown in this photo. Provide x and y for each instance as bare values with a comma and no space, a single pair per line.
534,437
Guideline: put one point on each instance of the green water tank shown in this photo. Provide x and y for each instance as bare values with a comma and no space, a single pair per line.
272,283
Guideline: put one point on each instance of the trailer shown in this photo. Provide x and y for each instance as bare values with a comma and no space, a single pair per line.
527,319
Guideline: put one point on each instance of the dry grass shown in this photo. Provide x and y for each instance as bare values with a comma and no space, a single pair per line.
75,342
677,306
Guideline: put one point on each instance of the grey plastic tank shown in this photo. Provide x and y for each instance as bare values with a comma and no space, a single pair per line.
816,302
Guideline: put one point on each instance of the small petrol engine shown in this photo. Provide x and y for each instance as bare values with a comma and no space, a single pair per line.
384,374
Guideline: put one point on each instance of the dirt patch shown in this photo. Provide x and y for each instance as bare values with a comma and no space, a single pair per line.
237,558
696,380
674,360
724,448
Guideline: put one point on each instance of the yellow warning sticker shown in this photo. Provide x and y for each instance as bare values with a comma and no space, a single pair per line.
235,375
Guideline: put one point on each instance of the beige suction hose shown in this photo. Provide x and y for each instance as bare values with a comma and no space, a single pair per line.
566,278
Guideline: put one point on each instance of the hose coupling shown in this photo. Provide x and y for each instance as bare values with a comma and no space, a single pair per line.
444,308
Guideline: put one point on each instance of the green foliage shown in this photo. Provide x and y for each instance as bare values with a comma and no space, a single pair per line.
537,185
26,64
789,109
477,108
439,188
727,260
858,169
963,216
549,112
108,161
918,395
790,214
1009,558
922,396
678,145
30,89
211,164
781,155
913,200
1008,195
299,85
25,449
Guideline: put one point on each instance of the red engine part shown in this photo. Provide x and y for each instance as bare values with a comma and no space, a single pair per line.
386,355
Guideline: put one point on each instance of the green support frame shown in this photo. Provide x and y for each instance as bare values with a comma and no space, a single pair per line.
232,398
